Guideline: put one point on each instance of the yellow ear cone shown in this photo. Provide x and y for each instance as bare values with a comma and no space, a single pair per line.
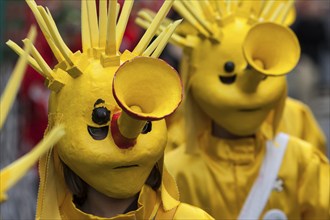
280,50
147,89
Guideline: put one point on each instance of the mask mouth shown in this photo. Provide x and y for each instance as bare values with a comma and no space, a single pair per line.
98,133
228,79
126,166
249,109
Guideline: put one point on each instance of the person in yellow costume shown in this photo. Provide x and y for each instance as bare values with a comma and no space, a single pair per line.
297,119
109,163
236,162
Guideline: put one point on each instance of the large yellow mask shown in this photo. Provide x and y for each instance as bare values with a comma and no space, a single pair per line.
235,59
225,81
111,104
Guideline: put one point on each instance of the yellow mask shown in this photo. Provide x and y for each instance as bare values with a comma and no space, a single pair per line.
235,59
111,104
225,84
87,104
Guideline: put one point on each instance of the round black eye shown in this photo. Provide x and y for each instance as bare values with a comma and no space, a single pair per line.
101,115
229,67
147,127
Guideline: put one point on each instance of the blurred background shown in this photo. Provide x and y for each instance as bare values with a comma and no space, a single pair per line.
27,120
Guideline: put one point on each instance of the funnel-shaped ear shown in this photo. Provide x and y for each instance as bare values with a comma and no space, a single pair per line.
271,49
147,89
150,84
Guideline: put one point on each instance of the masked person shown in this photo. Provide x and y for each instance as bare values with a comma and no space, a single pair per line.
235,161
109,164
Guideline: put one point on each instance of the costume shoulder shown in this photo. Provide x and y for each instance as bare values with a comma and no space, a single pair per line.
186,211
178,160
306,151
298,120
314,178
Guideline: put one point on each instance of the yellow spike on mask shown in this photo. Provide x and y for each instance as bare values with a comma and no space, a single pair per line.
265,10
122,22
208,10
19,51
92,21
151,48
9,94
286,10
149,34
144,20
111,47
277,12
110,57
45,30
86,40
198,18
179,6
15,171
102,22
54,83
46,70
65,51
163,42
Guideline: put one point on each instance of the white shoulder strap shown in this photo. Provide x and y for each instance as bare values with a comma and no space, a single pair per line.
262,187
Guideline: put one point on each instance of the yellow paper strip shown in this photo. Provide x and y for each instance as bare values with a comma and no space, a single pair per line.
175,39
110,46
165,39
202,22
122,22
46,70
265,10
182,10
9,94
44,29
11,174
150,32
85,35
65,51
277,12
19,51
286,10
93,24
102,22
151,48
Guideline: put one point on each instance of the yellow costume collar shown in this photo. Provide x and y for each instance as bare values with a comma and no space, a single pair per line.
148,204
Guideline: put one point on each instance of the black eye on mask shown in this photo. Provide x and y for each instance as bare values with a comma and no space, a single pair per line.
147,128
101,115
229,67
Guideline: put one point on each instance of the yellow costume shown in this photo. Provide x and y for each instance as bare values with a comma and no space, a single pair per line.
218,177
298,121
235,162
112,106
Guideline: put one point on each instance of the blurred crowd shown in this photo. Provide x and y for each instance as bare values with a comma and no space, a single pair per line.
28,119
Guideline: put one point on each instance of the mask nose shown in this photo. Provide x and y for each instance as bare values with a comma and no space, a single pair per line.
250,80
125,129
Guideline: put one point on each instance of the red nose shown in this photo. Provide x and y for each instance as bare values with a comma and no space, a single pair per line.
121,141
